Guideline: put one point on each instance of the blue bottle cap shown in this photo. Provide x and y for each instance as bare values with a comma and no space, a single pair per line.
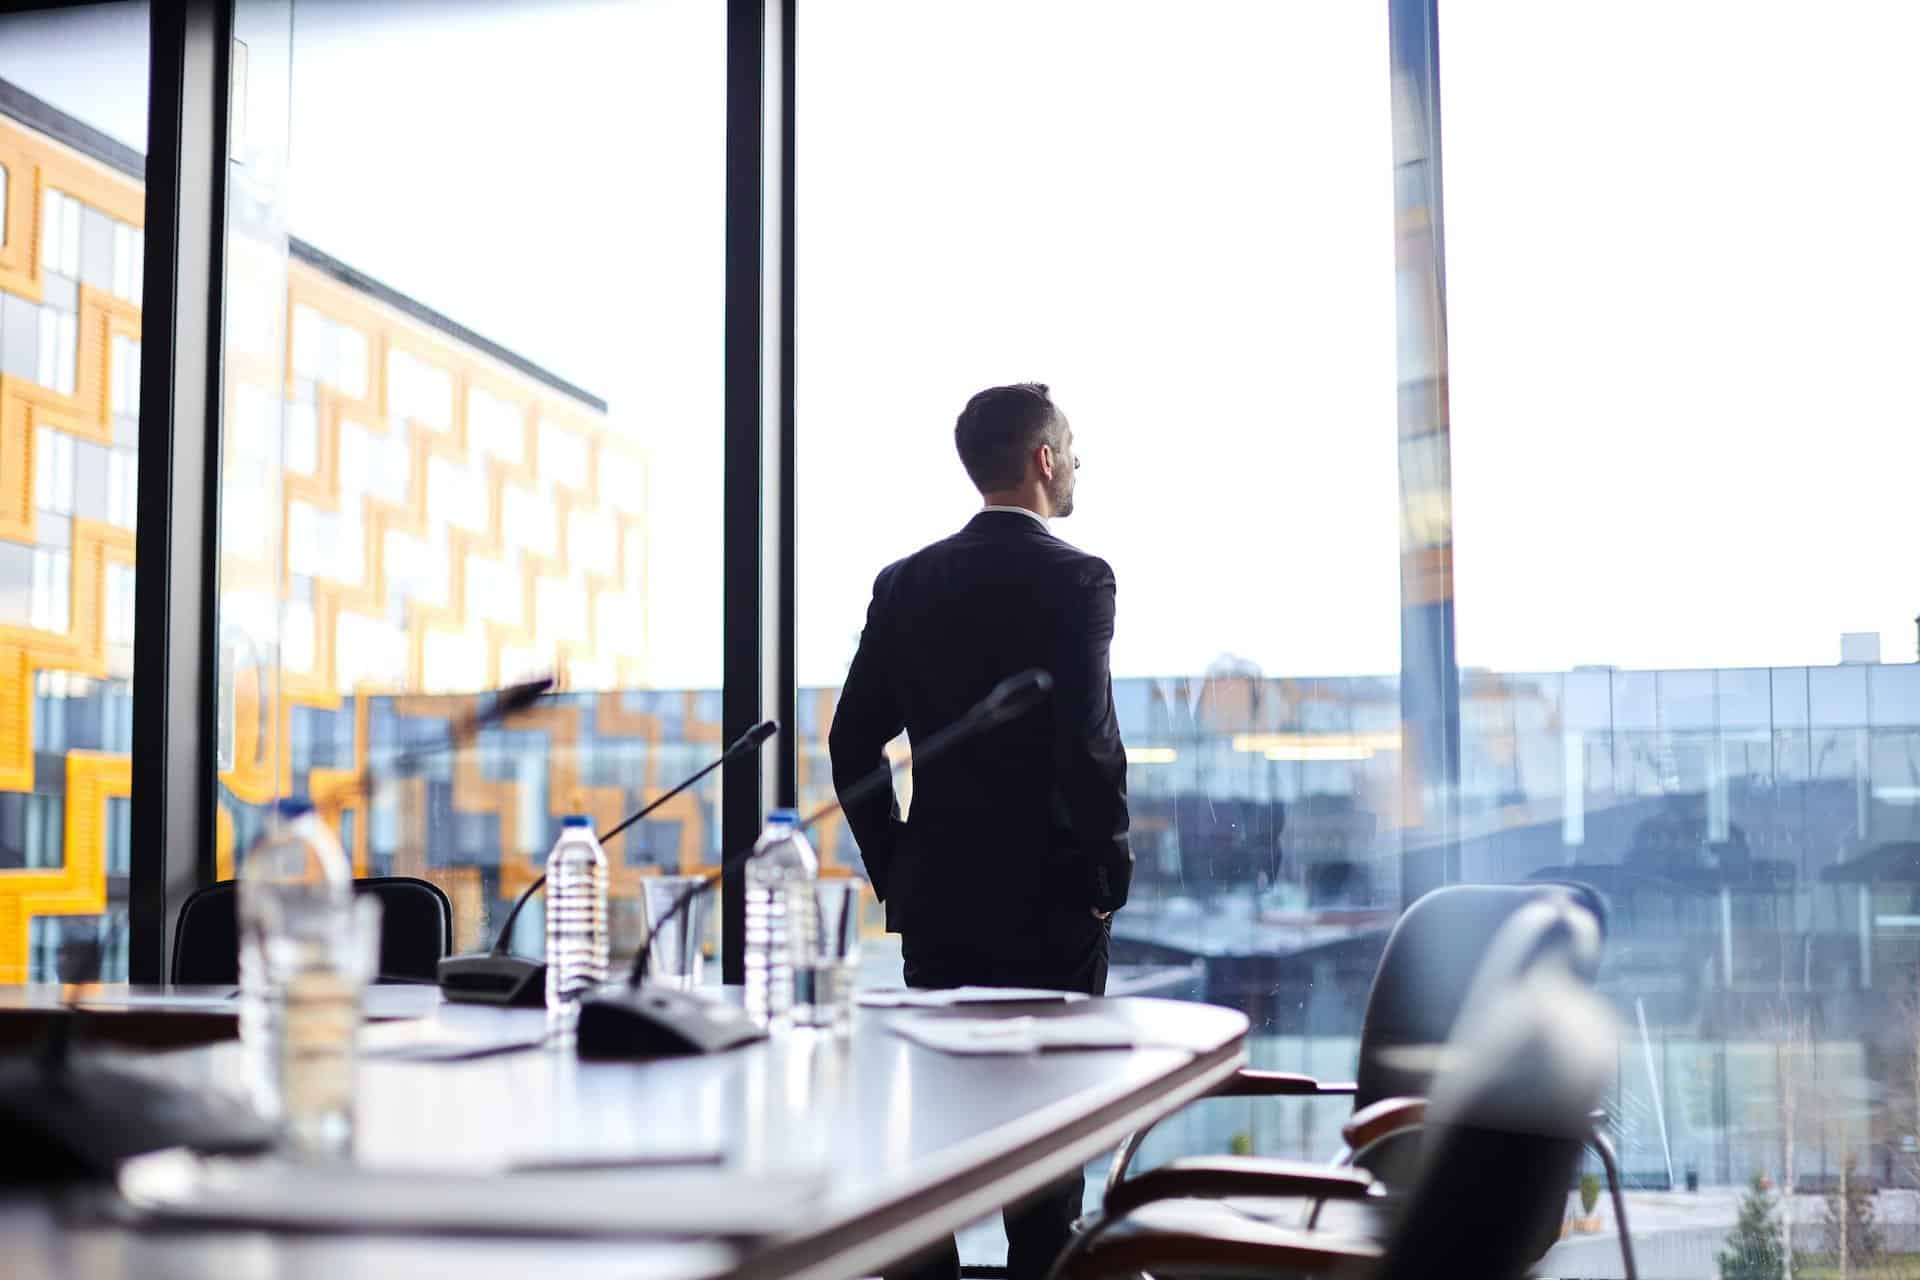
791,817
287,808
576,820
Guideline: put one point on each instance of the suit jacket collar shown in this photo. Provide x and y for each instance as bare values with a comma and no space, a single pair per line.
1008,524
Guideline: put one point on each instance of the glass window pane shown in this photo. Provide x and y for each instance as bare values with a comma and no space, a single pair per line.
1631,489
72,132
457,512
1079,228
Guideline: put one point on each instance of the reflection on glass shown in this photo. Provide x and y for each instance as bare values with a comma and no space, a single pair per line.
422,503
1735,547
71,218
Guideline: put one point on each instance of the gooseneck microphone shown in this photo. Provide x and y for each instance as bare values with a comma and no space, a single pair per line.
509,701
645,1021
494,976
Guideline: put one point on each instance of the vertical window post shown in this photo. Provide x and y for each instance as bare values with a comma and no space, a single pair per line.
758,552
1429,668
173,649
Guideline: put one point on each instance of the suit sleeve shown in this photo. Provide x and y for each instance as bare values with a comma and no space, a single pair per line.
1090,758
868,717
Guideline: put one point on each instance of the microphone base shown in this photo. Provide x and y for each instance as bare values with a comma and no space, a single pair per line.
658,1022
486,978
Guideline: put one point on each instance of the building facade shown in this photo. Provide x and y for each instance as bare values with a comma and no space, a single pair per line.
405,506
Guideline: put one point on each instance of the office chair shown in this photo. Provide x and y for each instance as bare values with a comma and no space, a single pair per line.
1425,971
1513,1096
416,931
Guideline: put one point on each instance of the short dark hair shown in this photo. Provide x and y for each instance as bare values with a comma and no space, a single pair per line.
999,428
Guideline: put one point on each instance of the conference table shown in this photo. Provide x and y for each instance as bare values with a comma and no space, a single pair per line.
807,1156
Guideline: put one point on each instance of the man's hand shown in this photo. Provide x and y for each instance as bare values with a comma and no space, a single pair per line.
1098,914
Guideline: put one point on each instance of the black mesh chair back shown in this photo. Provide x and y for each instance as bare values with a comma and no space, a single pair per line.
416,931
1430,964
1509,1112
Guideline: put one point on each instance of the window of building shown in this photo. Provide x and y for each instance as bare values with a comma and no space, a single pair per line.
496,427
60,233
418,392
119,604
52,584
563,456
125,390
329,351
123,487
58,348
129,261
53,471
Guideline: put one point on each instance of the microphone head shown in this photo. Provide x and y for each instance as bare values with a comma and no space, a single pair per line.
519,697
752,740
1015,696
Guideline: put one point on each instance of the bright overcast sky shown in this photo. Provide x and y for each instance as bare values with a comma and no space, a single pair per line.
1682,275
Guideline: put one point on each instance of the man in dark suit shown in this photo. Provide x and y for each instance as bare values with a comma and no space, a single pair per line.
1015,855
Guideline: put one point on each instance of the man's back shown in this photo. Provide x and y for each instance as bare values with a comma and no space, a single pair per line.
1016,856
1029,820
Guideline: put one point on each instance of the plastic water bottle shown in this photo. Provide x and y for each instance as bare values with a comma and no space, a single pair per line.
298,1013
780,916
577,937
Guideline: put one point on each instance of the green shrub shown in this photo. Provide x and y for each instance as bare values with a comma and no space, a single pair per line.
1753,1248
1589,1193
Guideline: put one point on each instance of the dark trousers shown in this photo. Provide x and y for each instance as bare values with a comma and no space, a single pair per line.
1072,956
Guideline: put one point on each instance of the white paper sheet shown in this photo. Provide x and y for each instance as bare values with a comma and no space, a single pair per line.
270,1192
906,998
1016,1035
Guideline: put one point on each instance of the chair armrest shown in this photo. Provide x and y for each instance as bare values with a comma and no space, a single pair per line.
1245,1083
1212,1177
1167,1237
1248,1083
1382,1120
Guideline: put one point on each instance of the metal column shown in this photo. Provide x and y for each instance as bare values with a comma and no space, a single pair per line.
1429,671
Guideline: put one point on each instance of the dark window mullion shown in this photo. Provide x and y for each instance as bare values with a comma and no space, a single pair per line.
180,380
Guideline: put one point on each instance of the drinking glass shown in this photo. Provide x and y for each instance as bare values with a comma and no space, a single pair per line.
675,959
825,964
321,988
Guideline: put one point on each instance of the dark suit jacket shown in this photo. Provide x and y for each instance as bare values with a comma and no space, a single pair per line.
1028,821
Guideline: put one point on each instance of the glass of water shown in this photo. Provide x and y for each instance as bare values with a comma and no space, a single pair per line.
321,986
825,965
676,959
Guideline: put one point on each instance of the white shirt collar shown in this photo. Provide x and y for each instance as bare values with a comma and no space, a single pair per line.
1028,512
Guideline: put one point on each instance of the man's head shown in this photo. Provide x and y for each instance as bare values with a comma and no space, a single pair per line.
1018,449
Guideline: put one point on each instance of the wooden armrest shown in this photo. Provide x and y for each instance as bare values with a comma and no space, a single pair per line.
1165,1237
1248,1083
1212,1177
1383,1119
